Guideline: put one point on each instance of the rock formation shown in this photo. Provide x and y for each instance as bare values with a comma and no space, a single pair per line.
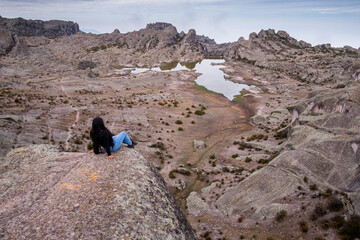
49,194
323,143
301,150
7,41
53,28
280,52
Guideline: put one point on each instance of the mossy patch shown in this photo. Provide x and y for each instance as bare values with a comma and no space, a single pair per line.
204,89
238,98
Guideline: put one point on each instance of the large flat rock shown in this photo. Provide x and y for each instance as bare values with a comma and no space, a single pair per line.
46,194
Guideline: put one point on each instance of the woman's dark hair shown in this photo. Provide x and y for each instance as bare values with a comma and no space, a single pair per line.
97,126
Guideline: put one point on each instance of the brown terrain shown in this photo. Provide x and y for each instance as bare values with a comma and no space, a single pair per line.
281,161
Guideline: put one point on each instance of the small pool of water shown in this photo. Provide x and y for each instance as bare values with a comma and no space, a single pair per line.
212,78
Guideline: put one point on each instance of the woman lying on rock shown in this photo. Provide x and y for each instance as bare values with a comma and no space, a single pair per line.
101,136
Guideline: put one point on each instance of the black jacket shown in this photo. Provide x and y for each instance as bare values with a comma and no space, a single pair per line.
103,140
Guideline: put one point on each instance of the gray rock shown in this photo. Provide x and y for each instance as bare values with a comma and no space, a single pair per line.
49,194
180,184
261,188
258,119
183,171
265,146
86,64
269,211
196,206
53,28
209,189
199,144
14,118
7,41
312,149
254,157
116,31
158,25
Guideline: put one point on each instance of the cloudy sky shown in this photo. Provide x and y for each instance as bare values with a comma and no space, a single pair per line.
314,21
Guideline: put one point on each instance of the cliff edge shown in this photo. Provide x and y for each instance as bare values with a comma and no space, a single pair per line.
47,194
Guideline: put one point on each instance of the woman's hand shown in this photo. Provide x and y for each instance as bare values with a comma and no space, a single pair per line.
111,157
91,151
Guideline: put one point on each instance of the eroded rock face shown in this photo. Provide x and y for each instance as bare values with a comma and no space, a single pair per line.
49,194
53,28
323,145
7,41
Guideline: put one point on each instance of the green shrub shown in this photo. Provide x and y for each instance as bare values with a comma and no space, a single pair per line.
313,187
280,215
337,221
351,228
199,112
304,226
305,179
178,122
180,129
95,49
212,156
325,224
171,174
319,211
77,141
235,155
90,146
335,204
248,159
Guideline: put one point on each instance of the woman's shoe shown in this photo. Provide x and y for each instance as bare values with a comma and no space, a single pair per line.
132,145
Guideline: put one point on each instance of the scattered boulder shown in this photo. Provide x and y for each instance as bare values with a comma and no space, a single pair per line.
270,211
199,144
180,184
254,157
14,118
86,64
183,171
196,206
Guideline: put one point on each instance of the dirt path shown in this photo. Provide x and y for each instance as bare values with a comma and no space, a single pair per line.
76,117
217,132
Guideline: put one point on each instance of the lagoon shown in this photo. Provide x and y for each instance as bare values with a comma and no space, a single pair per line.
212,78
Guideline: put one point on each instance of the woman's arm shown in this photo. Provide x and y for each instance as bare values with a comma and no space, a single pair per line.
96,147
105,142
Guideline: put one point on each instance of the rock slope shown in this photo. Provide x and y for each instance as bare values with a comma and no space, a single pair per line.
47,194
322,146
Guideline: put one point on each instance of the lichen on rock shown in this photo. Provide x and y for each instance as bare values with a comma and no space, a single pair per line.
49,194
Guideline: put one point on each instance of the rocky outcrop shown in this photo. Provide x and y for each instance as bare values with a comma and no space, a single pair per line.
158,25
53,28
47,194
323,145
280,52
7,41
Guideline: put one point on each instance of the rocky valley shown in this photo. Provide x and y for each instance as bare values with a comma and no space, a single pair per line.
278,161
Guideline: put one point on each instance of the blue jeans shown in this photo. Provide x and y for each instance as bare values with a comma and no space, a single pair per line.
119,139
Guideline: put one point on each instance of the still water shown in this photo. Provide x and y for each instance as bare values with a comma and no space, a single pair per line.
211,76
